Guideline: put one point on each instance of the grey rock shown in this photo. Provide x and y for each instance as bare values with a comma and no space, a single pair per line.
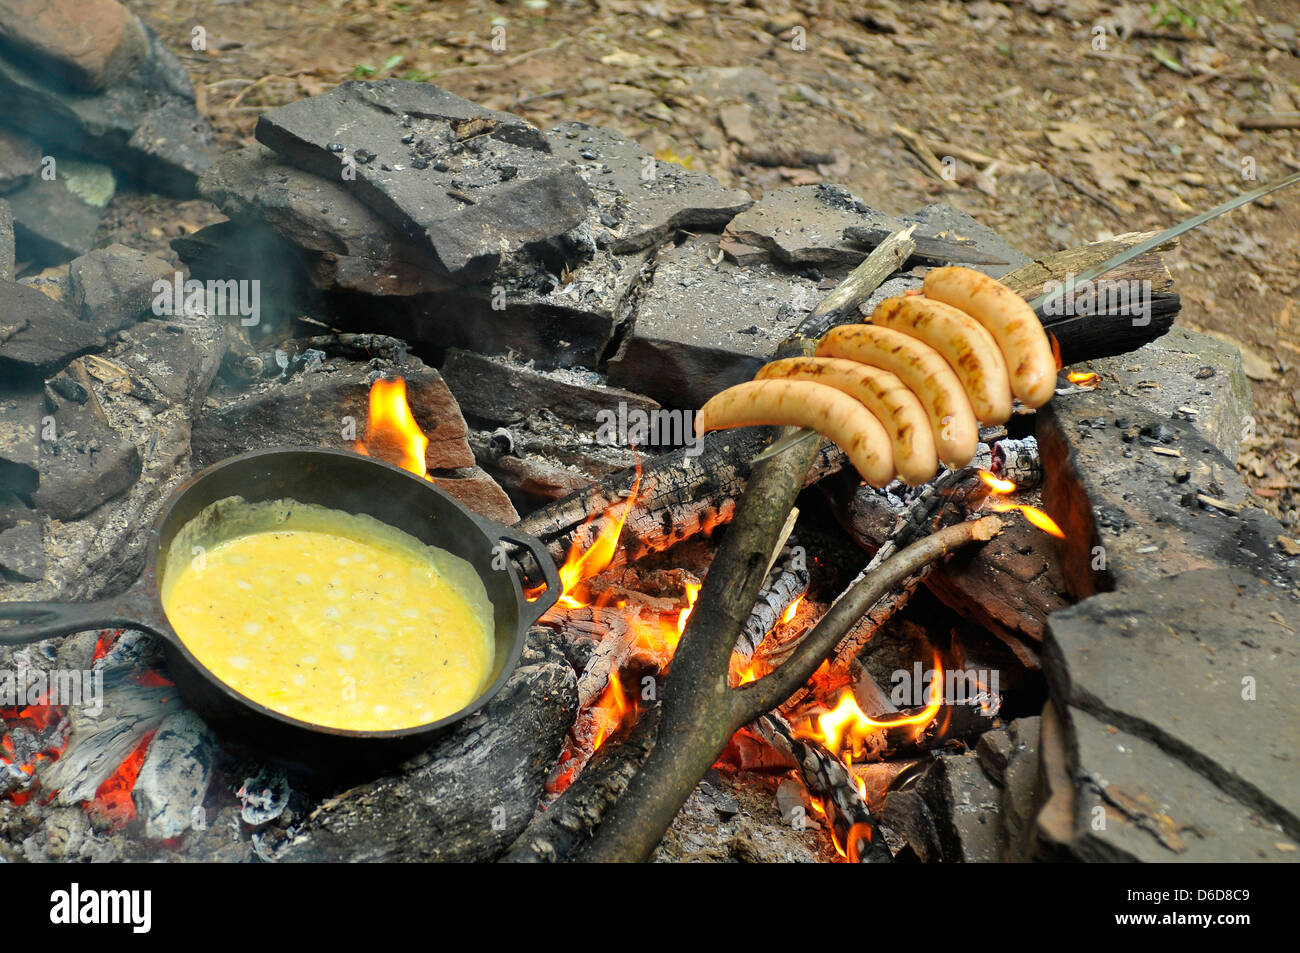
994,749
1020,789
21,410
644,200
310,408
356,250
146,125
971,825
22,542
1180,662
113,286
473,184
7,258
39,335
175,359
52,222
1216,402
827,224
805,224
945,223
498,391
19,159
1137,802
700,327
174,777
1111,482
528,309
85,465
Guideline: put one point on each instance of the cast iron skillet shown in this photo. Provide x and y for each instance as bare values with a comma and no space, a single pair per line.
338,480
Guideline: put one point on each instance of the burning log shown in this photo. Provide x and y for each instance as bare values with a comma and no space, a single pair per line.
557,833
786,584
853,827
683,496
1018,461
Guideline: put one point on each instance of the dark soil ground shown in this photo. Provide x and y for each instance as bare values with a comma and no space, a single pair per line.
1073,120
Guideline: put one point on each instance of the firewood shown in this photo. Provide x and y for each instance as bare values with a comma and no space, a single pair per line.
787,581
826,778
556,834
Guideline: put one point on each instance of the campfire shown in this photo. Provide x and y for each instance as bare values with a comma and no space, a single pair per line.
804,531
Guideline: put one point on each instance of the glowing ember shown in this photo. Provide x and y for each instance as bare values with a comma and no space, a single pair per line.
1083,378
113,805
391,431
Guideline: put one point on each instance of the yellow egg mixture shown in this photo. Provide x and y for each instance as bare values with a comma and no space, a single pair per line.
330,618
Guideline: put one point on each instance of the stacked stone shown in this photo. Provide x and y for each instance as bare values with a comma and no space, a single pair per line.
90,94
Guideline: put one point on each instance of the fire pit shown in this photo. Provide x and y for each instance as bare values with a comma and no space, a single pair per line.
1059,652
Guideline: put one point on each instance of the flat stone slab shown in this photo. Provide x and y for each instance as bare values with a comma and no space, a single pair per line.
702,326
357,249
39,335
946,224
1205,666
56,219
827,224
145,124
472,184
1142,496
642,200
1189,375
87,464
1136,802
113,286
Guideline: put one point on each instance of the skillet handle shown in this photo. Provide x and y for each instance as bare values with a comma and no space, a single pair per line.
533,610
23,622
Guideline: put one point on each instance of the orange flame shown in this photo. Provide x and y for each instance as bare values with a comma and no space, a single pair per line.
791,610
1035,516
580,566
692,593
996,483
391,431
609,712
1083,378
845,726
